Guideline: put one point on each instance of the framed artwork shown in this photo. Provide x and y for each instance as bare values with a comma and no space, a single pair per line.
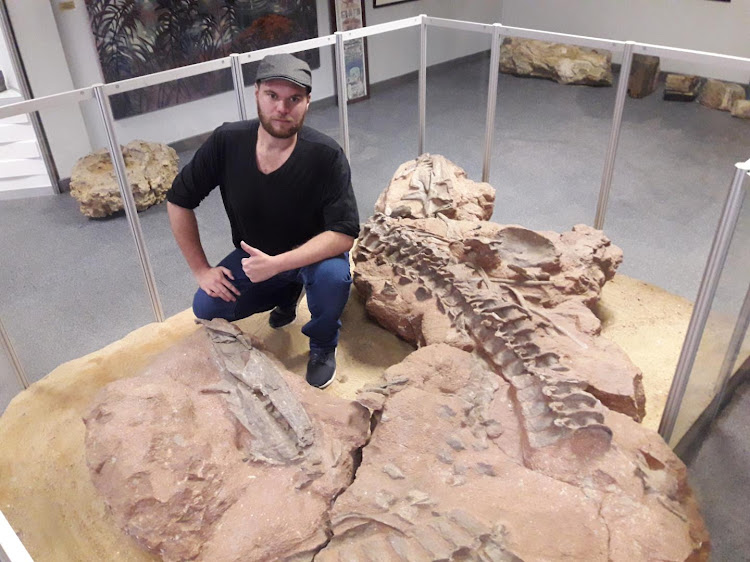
139,37
346,15
383,3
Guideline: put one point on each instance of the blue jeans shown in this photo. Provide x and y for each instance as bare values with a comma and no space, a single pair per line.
326,283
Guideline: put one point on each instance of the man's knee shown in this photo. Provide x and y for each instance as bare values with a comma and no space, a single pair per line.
333,273
208,308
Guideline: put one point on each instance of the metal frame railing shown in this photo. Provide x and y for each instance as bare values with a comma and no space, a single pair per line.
706,292
234,62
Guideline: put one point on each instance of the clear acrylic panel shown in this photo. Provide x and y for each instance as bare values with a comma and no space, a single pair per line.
705,381
549,150
184,126
71,284
674,164
457,96
384,129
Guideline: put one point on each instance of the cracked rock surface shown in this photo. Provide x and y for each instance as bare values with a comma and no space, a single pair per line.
444,477
511,433
151,168
515,417
215,452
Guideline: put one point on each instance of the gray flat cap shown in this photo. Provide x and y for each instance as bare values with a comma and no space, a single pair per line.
285,67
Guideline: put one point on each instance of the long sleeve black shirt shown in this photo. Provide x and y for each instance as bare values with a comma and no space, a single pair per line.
309,194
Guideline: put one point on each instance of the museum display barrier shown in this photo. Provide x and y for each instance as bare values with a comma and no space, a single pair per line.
51,257
623,50
716,335
214,110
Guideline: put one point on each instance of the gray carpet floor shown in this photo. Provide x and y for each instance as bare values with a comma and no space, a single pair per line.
72,285
720,477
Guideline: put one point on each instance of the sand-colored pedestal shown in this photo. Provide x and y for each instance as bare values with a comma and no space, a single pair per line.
45,489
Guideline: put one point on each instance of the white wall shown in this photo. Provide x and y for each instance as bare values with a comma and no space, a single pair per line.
47,69
397,53
393,55
702,25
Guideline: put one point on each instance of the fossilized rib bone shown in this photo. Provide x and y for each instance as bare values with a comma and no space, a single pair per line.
259,397
552,406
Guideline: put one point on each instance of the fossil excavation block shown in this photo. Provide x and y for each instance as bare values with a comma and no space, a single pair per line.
151,168
214,452
482,501
429,184
511,434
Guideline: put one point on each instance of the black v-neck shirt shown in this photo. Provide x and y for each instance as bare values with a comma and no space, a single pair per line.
309,194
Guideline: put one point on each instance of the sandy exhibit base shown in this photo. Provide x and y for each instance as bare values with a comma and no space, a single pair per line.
45,489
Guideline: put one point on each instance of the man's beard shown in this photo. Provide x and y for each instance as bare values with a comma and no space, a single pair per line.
279,134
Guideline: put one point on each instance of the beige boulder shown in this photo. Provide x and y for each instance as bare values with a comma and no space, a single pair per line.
741,108
151,168
721,95
681,87
566,64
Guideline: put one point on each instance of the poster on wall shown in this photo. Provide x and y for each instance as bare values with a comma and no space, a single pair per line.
139,37
347,15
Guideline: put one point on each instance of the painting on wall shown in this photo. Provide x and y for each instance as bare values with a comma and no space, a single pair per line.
347,15
381,3
139,37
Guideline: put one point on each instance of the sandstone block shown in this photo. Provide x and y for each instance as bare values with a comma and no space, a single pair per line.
681,87
151,168
566,64
432,185
741,108
721,95
644,74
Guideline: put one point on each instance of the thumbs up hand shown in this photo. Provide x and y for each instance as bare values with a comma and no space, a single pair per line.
258,266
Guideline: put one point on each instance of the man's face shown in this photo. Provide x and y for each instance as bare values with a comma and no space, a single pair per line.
282,106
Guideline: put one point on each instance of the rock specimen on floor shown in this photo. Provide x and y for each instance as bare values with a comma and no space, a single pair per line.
644,74
741,108
681,87
151,168
216,453
566,64
721,95
524,398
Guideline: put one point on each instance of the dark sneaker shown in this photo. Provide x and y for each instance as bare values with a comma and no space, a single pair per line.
321,367
282,315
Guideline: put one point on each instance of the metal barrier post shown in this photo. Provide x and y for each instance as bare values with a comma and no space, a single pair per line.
702,308
614,135
239,85
20,374
422,84
489,124
128,201
342,94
